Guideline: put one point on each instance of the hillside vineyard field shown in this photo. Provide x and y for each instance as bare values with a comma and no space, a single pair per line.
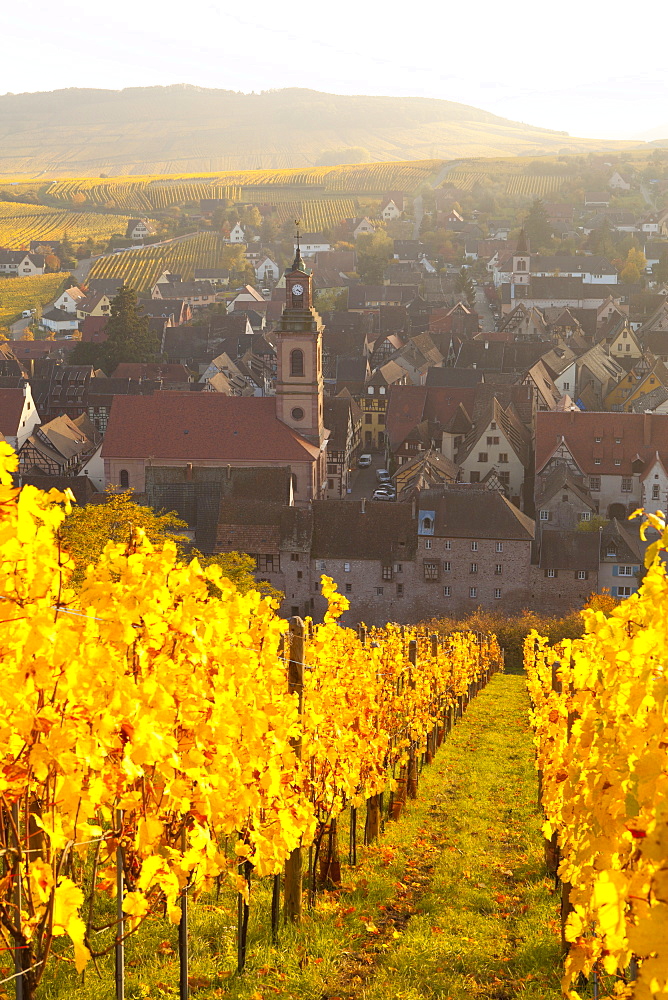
17,294
21,224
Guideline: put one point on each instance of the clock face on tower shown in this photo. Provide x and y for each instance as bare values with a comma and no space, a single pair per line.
297,290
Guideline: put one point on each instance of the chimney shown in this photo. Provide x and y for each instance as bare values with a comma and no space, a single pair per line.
229,472
363,505
189,472
647,428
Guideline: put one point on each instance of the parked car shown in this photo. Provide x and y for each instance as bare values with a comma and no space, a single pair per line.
383,476
364,461
384,495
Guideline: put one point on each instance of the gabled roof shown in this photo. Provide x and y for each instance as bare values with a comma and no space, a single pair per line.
12,402
569,550
410,405
640,435
465,512
509,423
202,425
342,531
561,478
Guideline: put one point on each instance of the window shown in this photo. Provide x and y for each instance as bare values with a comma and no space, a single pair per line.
627,484
503,457
504,478
475,477
597,461
585,515
655,491
381,390
346,567
497,593
330,484
388,573
124,478
299,574
431,571
618,461
296,362
564,497
626,571
447,567
294,557
550,574
368,418
473,591
544,515
400,590
567,385
379,591
474,546
427,543
598,440
349,588
320,565
498,547
370,390
595,483
474,568
618,440
447,545
482,456
398,568
446,592
492,440
582,574
265,564
624,591
498,569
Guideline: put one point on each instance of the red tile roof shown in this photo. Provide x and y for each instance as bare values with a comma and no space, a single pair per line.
167,372
641,434
206,425
409,405
12,402
93,329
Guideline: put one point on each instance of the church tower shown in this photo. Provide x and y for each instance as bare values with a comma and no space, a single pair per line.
522,261
299,381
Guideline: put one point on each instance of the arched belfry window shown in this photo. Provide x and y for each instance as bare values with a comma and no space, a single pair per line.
296,362
125,478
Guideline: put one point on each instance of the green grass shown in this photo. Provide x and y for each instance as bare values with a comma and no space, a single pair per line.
451,903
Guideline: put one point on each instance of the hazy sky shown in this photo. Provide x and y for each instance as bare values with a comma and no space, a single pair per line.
574,65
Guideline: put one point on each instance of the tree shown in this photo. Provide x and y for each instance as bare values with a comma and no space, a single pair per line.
464,284
373,253
52,263
240,569
634,265
537,227
129,336
660,270
86,531
595,522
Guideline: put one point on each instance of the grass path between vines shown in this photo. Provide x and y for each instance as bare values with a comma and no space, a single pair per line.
452,903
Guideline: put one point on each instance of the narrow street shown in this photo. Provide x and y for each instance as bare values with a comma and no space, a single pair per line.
364,480
487,321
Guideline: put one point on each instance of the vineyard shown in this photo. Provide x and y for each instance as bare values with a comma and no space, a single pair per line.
528,185
19,224
17,294
140,269
157,741
148,194
601,733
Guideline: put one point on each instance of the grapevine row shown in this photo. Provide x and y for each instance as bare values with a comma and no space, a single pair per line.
154,720
140,269
38,222
601,733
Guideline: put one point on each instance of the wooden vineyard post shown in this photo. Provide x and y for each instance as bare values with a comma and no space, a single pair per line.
292,906
18,957
243,913
119,950
183,933
412,783
372,818
330,865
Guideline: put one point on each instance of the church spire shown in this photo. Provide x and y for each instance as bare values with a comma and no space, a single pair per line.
298,264
522,243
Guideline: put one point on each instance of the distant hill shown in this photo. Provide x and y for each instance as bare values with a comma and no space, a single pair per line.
182,129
